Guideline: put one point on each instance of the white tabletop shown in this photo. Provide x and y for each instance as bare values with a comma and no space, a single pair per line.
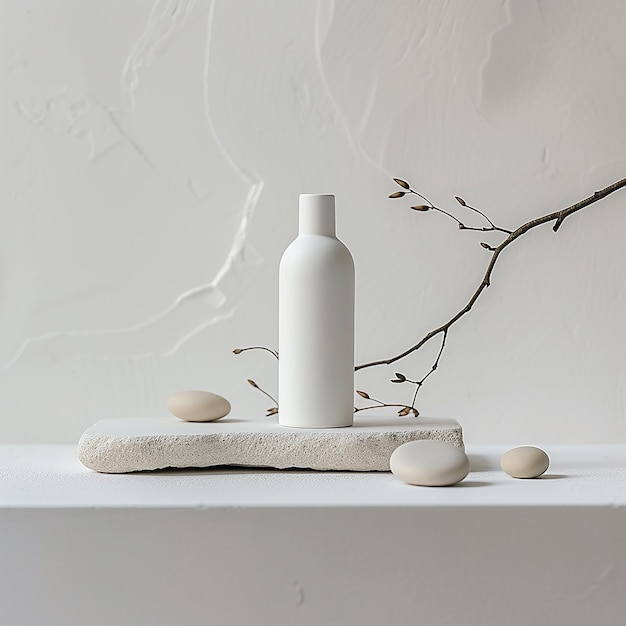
52,477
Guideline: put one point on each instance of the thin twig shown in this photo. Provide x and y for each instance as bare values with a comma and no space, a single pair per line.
460,224
493,226
240,350
403,412
418,384
380,406
252,383
273,410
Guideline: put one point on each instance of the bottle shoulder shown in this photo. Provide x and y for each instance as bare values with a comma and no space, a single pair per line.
317,251
318,245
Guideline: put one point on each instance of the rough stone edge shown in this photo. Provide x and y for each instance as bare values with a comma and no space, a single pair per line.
350,451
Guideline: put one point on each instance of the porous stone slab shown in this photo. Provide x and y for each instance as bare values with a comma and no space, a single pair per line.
142,443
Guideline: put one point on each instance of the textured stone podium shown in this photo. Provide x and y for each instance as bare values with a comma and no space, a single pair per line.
135,444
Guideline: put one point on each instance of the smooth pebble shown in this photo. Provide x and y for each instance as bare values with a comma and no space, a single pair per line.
429,463
525,462
198,406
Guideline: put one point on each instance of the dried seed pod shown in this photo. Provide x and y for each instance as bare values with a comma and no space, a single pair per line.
400,376
237,351
402,183
404,412
397,194
251,382
272,411
415,412
460,201
487,246
421,207
363,394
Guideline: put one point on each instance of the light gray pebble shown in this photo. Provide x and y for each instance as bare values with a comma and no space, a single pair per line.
198,406
429,463
525,462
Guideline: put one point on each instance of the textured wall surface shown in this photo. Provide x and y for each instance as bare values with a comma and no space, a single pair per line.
152,152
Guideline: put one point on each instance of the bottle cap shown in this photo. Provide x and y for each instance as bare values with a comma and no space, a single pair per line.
317,214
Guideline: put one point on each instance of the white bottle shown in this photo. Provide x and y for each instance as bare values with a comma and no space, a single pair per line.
316,323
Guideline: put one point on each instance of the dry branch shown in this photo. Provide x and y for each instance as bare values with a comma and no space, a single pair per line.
557,217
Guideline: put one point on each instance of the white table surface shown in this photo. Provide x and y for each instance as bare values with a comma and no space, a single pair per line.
237,546
51,476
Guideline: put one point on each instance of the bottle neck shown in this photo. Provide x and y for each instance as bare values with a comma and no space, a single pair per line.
317,214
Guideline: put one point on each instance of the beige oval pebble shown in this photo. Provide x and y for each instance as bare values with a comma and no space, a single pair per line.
198,406
429,463
525,462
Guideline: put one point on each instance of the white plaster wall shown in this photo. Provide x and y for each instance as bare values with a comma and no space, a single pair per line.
152,152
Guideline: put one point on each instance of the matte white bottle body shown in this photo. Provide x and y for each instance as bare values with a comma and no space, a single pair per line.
316,323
